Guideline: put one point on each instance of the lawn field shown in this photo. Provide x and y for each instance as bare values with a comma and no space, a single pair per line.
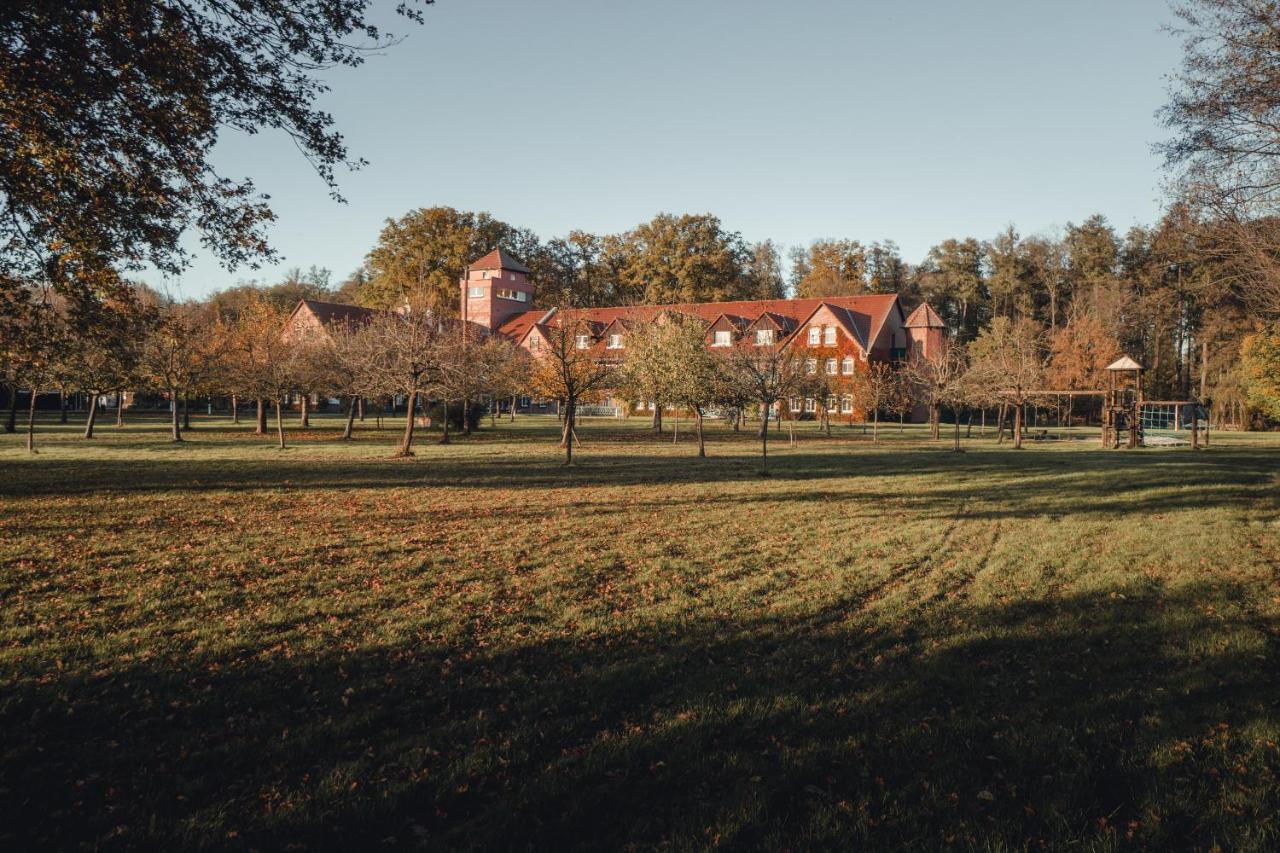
219,645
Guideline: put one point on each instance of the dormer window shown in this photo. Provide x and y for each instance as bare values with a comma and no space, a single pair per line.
475,292
764,337
584,341
615,341
829,335
846,366
722,338
815,336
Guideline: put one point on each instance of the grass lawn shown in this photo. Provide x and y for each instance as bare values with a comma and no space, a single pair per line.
220,645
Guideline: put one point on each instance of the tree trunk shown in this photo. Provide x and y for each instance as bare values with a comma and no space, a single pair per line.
1017,426
360,407
235,409
11,425
764,422
306,411
280,420
935,421
119,408
675,429
406,443
93,416
261,428
1204,370
493,413
513,408
702,445
175,423
1000,423
764,443
955,433
186,411
444,422
570,408
657,418
466,416
351,419
31,422
62,405
875,426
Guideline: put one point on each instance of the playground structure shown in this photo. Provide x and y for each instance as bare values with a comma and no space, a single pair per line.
1130,420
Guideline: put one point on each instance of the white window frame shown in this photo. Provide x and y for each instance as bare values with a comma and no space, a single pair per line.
796,405
811,366
764,337
810,405
615,341
583,341
833,403
846,405
475,292
831,367
829,336
846,366
721,338
815,336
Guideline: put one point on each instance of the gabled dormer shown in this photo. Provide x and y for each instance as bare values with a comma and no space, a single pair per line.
725,330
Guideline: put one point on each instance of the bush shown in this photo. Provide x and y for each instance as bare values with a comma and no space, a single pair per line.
436,412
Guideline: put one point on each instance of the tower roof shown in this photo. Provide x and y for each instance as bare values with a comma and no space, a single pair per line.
1124,363
924,317
498,259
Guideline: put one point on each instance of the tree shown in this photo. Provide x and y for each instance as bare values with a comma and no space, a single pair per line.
879,385
1008,364
951,279
939,381
1224,112
886,271
182,349
688,258
256,345
829,268
1079,353
421,256
765,374
400,353
111,115
104,353
568,372
1261,368
671,353
764,272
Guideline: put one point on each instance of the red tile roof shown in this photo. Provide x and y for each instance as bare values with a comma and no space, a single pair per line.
863,316
924,317
498,259
329,313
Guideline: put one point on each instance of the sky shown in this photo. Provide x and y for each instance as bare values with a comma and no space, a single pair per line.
913,120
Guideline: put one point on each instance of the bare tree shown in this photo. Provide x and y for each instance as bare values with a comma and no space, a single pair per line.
1008,364
569,372
937,381
768,373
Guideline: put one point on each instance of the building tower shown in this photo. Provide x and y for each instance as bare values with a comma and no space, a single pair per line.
924,332
496,288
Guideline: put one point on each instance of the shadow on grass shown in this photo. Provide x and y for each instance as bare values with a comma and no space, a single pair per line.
1009,483
1094,720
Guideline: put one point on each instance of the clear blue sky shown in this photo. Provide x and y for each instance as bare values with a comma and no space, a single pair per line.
911,120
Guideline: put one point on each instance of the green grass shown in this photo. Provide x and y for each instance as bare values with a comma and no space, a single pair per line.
221,645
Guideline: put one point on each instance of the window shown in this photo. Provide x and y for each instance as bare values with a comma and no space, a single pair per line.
764,337
722,338
484,274
507,293
795,404
475,292
815,336
810,405
584,341
832,404
846,405
615,341
811,366
846,366
534,343
829,335
831,367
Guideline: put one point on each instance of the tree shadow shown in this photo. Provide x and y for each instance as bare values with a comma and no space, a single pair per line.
1143,718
